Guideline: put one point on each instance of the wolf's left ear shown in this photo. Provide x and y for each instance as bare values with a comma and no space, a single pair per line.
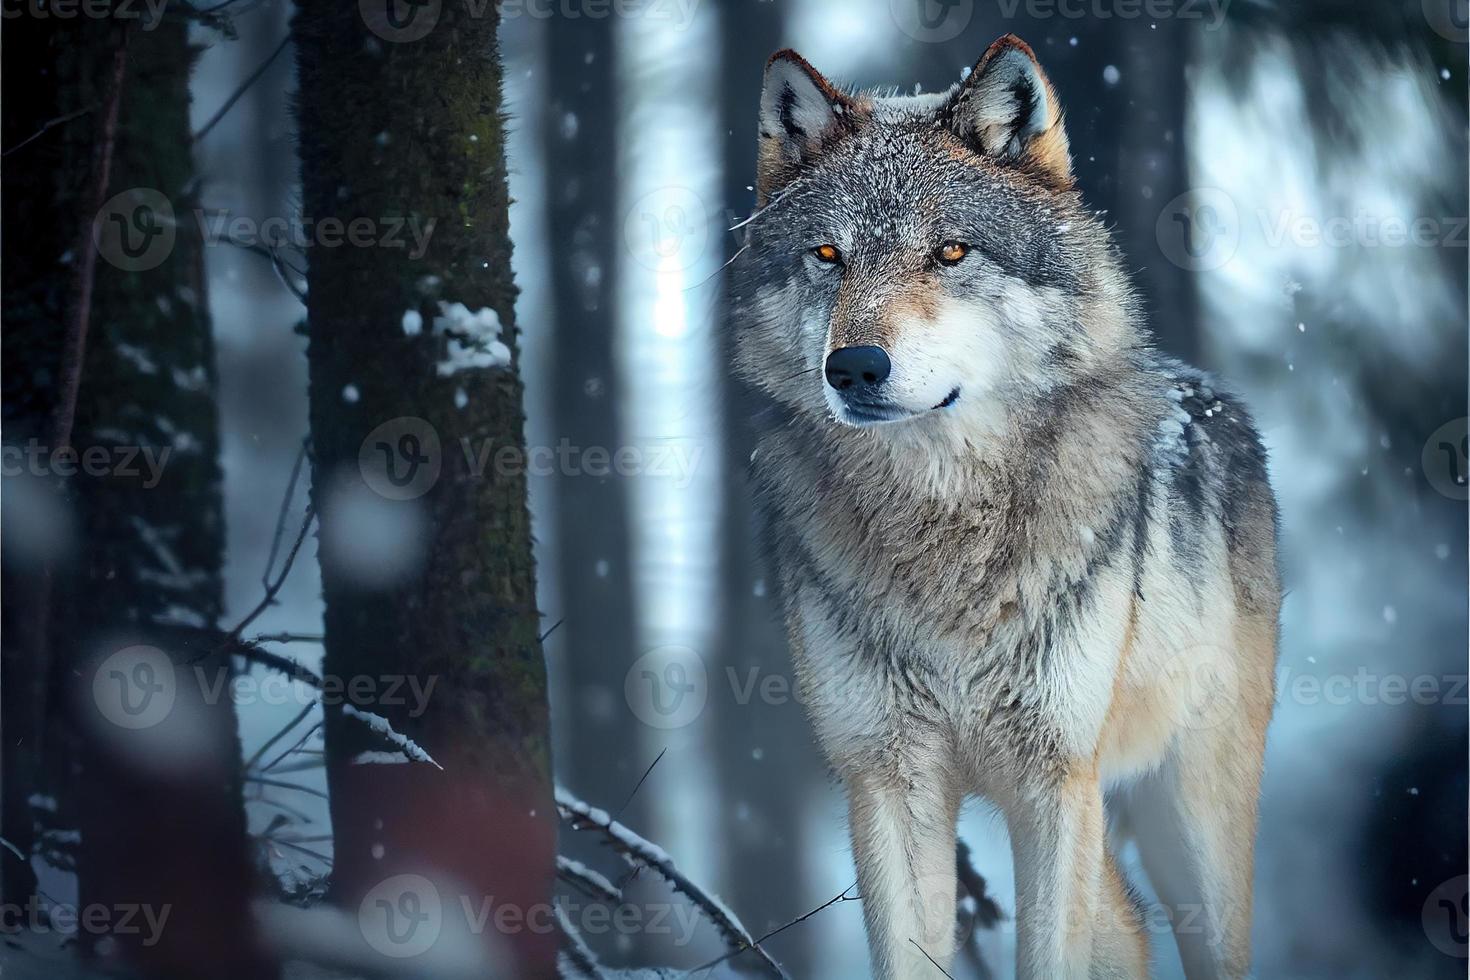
801,114
1007,109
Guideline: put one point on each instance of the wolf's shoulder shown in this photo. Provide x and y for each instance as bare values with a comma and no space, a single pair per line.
1214,462
1207,419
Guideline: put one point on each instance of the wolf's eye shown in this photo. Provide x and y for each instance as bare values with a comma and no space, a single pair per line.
952,253
828,254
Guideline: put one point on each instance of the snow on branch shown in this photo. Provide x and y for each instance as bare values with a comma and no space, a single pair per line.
380,727
590,881
639,851
577,958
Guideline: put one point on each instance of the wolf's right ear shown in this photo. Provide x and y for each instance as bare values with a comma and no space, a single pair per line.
1006,109
801,113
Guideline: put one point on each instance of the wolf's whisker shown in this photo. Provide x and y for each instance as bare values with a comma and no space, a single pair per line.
800,373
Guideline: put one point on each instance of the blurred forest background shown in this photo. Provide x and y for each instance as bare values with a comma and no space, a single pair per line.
1254,158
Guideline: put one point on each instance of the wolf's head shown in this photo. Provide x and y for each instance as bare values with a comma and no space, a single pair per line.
921,259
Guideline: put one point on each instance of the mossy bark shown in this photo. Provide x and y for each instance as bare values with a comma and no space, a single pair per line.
413,130
142,564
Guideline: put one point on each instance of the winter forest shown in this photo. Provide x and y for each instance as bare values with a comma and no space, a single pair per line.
382,592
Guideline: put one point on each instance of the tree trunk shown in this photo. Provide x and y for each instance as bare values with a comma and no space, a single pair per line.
425,534
764,749
591,511
151,775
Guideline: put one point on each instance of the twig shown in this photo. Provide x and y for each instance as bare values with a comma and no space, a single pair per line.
551,629
296,747
300,716
930,958
641,781
270,558
283,784
79,317
635,849
304,850
286,638
841,897
232,639
249,651
577,950
49,125
590,882
279,265
310,759
244,86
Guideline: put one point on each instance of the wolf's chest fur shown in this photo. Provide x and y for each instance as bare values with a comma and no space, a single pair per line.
1017,609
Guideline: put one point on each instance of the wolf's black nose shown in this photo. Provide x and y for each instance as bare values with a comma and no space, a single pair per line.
857,368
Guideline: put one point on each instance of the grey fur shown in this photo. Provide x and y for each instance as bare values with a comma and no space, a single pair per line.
1001,597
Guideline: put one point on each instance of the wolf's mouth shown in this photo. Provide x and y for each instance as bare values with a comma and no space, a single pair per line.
870,414
876,413
949,400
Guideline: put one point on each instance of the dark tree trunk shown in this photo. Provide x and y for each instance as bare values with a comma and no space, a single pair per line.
591,511
154,791
764,748
35,199
394,128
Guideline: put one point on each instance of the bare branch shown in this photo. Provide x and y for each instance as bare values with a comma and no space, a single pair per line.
841,897
250,80
286,638
588,881
636,850
300,716
231,641
931,959
49,125
249,651
304,850
641,780
578,952
285,508
283,784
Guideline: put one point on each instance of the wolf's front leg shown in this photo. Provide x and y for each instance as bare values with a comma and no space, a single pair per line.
903,839
1073,914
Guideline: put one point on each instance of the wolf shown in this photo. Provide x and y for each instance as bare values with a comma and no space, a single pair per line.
1022,556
